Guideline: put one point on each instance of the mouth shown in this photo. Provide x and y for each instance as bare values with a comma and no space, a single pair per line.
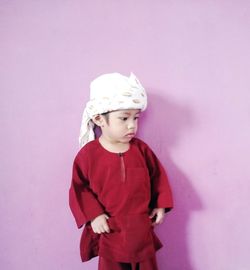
130,135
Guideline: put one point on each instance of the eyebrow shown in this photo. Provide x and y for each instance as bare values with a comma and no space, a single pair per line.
127,113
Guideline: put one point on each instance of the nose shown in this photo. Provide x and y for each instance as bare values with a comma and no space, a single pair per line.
131,125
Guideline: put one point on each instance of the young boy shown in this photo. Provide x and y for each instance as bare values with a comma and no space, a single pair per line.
119,188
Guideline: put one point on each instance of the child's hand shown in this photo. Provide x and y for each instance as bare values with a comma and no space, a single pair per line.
100,225
157,214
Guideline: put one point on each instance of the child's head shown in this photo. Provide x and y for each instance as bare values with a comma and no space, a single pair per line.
119,125
111,96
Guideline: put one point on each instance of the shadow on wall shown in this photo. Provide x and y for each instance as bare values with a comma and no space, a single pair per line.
163,126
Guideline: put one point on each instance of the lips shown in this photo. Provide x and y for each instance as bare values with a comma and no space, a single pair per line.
130,135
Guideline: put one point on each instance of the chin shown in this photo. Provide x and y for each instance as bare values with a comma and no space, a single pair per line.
126,140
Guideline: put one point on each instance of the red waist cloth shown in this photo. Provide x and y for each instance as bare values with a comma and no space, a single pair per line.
131,239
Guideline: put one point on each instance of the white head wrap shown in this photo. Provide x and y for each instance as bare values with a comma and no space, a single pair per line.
110,92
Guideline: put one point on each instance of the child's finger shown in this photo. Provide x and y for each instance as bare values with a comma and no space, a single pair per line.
106,228
159,218
98,231
152,213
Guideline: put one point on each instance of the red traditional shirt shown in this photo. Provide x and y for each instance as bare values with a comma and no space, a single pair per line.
125,186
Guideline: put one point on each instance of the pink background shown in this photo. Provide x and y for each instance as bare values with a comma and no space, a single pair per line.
194,59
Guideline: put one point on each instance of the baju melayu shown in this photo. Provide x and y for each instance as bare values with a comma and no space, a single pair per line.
127,187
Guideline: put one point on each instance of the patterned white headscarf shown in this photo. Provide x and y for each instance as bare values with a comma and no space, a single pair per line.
110,92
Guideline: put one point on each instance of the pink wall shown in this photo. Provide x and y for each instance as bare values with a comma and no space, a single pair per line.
193,58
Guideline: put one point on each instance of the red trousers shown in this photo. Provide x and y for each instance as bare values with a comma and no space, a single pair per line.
105,264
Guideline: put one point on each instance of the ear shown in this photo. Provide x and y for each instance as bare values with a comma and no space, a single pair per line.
98,120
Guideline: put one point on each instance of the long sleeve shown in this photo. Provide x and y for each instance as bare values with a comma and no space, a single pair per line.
82,200
161,194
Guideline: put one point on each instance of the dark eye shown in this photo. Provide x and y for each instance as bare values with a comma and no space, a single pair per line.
124,118
136,117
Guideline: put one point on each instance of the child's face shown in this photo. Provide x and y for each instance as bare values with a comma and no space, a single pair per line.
122,125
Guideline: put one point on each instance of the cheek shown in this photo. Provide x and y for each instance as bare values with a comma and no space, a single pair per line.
116,127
